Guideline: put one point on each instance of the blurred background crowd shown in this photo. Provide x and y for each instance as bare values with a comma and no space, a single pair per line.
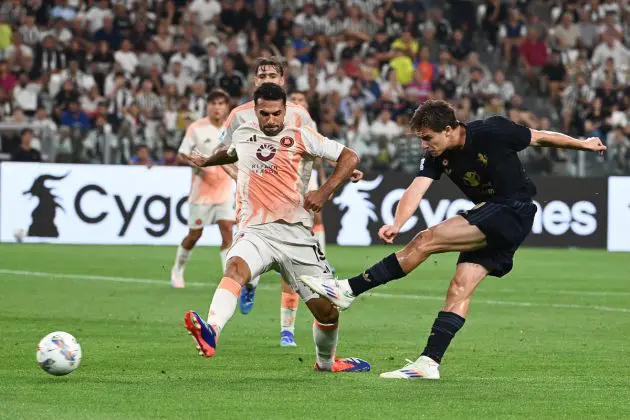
99,81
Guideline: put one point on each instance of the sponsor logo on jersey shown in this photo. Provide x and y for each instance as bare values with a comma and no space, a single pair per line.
265,152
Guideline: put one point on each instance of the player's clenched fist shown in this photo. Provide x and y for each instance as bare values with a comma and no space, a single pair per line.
314,200
594,144
388,233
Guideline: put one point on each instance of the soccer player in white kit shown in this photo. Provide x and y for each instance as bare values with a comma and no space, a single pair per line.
274,217
211,198
268,70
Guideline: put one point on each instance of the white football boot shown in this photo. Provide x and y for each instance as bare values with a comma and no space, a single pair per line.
423,368
336,291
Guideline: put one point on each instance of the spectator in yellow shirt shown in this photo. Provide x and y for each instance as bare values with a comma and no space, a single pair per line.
403,66
407,44
5,35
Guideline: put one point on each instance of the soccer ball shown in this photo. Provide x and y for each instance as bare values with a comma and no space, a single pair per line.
19,235
59,353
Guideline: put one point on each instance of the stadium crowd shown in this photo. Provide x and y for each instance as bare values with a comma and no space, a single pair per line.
118,81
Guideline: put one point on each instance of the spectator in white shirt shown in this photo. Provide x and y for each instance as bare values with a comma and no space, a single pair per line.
25,95
93,19
151,57
501,87
206,10
178,77
383,126
339,83
17,52
611,47
189,62
126,57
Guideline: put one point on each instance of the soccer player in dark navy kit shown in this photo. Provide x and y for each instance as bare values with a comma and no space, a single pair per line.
481,159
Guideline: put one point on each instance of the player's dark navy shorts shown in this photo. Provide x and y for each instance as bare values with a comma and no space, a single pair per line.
506,224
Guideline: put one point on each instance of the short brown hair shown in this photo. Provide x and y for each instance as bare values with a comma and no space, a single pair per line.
217,93
435,115
275,62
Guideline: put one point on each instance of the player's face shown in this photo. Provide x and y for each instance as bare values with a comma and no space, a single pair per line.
268,74
434,143
299,99
218,109
270,116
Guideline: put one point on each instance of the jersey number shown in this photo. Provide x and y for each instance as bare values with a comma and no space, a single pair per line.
319,254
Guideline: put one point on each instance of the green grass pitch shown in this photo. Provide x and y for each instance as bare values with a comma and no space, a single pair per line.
551,340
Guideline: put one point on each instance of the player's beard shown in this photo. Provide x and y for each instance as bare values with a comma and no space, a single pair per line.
272,131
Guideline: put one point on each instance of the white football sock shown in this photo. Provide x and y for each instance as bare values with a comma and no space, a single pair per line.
288,310
223,254
223,303
325,337
181,258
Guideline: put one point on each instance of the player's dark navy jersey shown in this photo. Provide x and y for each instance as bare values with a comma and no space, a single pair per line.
487,166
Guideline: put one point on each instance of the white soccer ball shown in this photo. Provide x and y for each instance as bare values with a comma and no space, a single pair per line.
59,353
19,235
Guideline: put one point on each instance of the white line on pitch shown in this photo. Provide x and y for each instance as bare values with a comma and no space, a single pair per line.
269,287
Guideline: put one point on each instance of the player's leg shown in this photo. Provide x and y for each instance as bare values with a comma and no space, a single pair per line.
447,323
246,257
303,257
453,234
288,310
225,229
183,254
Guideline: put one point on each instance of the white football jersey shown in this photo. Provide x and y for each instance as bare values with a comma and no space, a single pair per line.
210,185
274,171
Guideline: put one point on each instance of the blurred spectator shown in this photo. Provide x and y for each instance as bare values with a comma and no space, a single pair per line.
230,80
512,33
74,117
142,156
611,47
25,94
534,56
504,89
170,157
25,152
100,144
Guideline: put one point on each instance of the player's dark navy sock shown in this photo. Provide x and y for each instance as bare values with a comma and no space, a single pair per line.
444,328
386,270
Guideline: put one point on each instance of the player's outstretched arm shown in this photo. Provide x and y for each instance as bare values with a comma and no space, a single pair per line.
541,138
220,157
346,163
407,206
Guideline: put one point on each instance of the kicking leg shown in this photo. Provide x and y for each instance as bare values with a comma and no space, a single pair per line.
453,234
288,310
183,254
447,323
237,273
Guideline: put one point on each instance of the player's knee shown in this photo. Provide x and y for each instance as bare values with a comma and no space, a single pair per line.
326,314
425,242
195,234
237,269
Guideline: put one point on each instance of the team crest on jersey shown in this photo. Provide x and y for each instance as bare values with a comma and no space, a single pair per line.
472,179
287,141
444,162
483,159
265,152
